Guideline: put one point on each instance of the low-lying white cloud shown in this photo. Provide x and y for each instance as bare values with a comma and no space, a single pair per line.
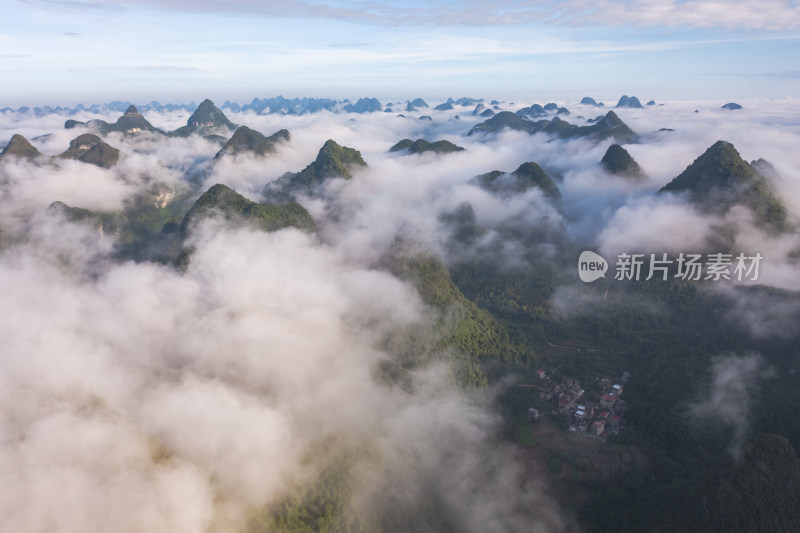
735,380
180,401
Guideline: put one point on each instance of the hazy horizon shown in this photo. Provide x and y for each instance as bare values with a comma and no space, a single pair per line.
138,49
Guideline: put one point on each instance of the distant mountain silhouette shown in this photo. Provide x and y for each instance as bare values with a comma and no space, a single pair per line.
421,145
608,126
629,101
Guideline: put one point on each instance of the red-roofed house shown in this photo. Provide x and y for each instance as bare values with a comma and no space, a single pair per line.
607,401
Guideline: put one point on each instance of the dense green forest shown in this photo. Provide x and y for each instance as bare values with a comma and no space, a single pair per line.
667,335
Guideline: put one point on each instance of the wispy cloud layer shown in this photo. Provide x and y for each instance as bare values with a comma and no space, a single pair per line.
766,15
735,381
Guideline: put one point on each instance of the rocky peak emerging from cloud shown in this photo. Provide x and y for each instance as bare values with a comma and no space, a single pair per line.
618,161
532,175
720,178
90,148
247,140
19,146
209,121
221,200
333,161
207,115
613,126
132,122
527,176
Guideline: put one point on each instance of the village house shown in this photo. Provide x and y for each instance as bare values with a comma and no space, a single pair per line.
607,401
594,416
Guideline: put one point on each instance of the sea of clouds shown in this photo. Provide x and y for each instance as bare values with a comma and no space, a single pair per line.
135,397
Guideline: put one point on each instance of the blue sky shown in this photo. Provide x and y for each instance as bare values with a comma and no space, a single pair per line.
64,52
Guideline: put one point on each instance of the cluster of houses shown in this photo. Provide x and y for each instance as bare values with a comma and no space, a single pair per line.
600,417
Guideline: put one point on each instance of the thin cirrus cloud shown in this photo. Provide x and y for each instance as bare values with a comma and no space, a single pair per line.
767,15
731,14
146,68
